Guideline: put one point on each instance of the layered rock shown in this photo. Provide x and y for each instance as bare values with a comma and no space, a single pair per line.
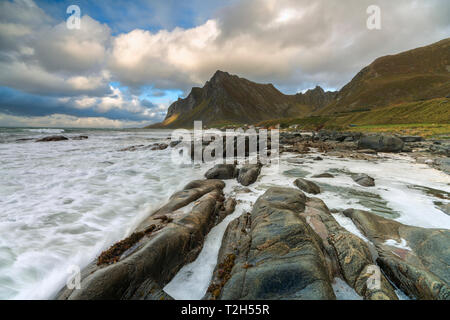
272,253
415,259
141,265
291,247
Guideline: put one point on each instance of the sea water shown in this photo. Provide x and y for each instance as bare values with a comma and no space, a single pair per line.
63,203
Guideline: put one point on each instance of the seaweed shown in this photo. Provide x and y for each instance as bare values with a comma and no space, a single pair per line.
112,255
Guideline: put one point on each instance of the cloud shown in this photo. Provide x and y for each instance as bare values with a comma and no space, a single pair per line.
295,44
67,121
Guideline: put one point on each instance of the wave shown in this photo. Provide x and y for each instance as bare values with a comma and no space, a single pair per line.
45,130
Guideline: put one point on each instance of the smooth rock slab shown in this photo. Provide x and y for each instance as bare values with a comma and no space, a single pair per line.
418,264
272,253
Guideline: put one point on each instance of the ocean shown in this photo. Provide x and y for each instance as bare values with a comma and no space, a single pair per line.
63,203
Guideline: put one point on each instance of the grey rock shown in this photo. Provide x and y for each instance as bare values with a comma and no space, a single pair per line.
272,253
364,180
222,171
307,186
421,269
52,138
248,174
152,261
381,143
323,175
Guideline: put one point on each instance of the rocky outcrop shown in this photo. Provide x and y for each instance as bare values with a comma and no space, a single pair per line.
52,138
291,247
222,171
415,259
141,265
350,256
272,253
381,143
249,173
364,180
307,186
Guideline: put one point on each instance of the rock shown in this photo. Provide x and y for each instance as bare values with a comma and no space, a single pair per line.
317,159
323,175
52,138
364,180
350,256
381,143
248,174
412,138
368,151
131,148
173,144
222,171
80,138
272,253
307,186
418,263
159,146
141,265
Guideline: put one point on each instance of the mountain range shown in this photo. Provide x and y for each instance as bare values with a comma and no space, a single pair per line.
415,75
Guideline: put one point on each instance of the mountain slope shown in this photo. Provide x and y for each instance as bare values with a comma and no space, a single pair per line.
414,75
229,99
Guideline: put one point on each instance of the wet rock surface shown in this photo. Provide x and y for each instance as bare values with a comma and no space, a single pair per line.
415,259
248,174
52,138
381,143
161,245
364,180
272,253
222,171
307,186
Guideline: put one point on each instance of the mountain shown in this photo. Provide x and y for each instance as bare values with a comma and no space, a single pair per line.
415,75
227,98
317,98
407,78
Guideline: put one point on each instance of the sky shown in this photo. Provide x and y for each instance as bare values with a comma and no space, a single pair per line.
129,60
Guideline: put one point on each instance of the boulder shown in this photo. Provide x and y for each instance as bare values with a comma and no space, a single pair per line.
381,143
272,253
415,259
52,138
364,180
248,174
307,186
222,171
139,266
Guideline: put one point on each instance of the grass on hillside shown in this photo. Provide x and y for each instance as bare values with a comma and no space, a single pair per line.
428,118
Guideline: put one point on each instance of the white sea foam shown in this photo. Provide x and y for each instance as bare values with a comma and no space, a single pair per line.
45,130
64,202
